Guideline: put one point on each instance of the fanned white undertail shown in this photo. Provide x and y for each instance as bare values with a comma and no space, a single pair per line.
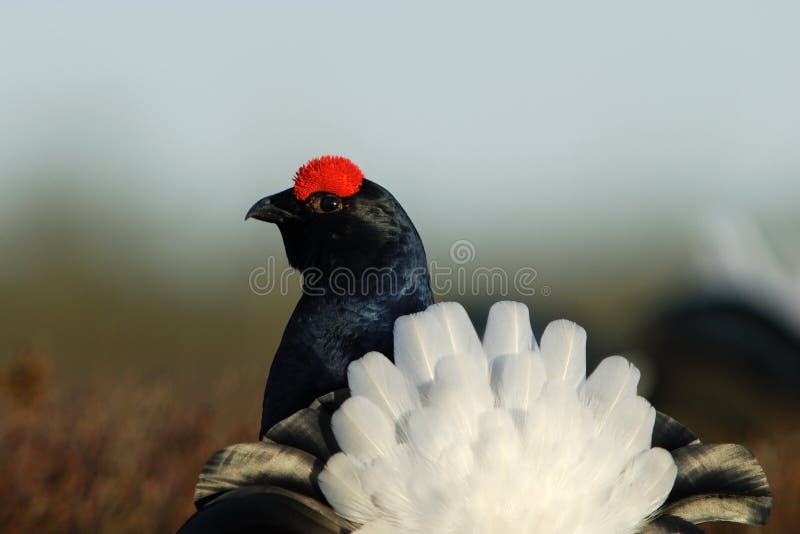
498,437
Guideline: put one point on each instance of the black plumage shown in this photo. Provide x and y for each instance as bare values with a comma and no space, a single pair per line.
363,266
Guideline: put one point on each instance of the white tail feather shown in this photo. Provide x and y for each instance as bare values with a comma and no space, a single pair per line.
517,379
613,379
564,352
462,392
377,379
655,477
503,440
635,425
418,345
612,383
508,329
430,432
645,483
456,329
340,483
362,429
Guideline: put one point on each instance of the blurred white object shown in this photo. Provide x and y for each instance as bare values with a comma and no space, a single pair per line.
734,257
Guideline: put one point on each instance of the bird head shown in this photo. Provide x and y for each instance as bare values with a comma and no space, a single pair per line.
334,217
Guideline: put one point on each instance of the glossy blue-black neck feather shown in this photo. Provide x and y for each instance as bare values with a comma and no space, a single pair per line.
364,266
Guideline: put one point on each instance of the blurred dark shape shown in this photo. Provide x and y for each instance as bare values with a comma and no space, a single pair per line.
734,343
25,379
724,366
731,348
736,333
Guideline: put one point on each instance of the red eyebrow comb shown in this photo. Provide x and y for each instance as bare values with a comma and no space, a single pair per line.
332,174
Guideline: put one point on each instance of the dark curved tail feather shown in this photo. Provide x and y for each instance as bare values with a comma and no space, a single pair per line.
714,482
291,455
266,510
258,464
719,483
670,434
669,524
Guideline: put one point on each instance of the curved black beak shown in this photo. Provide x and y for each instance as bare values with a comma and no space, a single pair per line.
278,208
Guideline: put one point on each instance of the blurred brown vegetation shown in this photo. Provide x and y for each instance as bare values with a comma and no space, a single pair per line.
110,455
123,456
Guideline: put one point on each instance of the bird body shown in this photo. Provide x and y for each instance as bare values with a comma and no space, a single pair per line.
434,430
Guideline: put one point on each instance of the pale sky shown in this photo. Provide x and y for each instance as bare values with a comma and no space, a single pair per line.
530,122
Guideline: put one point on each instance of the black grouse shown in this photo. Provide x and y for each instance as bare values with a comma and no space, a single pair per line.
504,435
363,266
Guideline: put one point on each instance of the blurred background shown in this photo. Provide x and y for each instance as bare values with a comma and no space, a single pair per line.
640,156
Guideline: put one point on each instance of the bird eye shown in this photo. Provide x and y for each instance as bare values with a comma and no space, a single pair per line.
329,203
